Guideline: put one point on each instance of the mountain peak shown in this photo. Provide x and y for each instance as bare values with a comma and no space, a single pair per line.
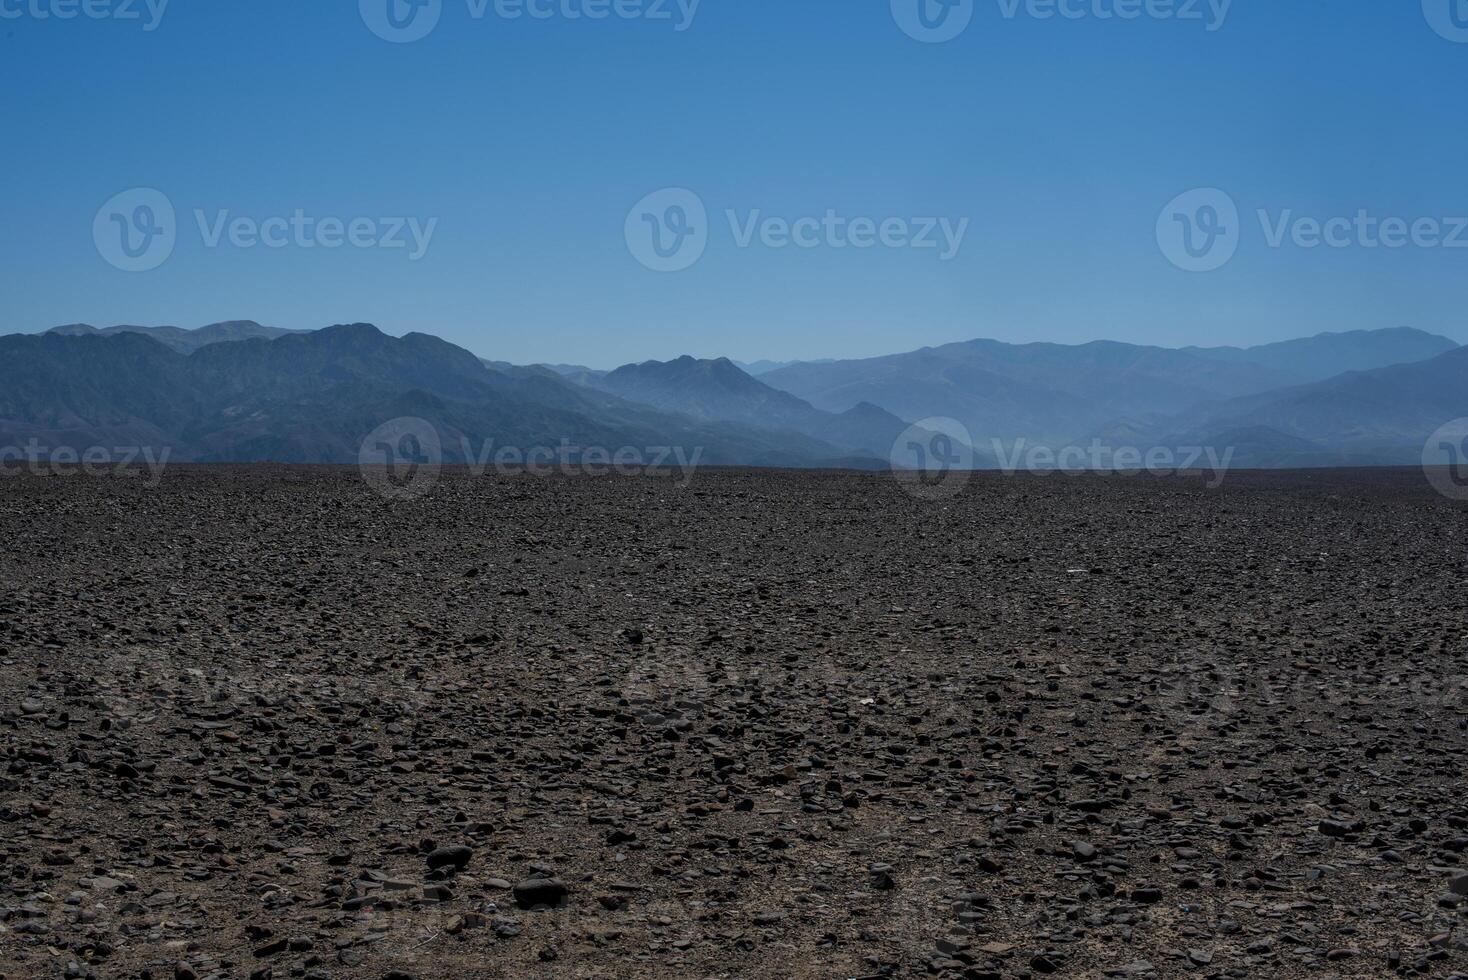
353,330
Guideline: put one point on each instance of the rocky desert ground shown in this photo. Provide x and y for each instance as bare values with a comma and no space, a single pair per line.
262,722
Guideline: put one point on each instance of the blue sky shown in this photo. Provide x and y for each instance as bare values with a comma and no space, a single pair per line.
1054,142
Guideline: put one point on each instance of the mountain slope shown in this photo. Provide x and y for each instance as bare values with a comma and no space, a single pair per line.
756,368
1329,354
717,390
1381,416
1045,393
312,397
1058,394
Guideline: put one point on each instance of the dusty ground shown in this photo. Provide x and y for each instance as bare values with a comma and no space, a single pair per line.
770,725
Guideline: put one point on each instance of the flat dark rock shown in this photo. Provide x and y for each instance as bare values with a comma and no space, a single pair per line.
533,892
456,857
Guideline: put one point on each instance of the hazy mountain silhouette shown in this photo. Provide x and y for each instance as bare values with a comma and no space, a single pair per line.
1382,416
717,390
1058,394
312,397
1329,354
256,393
182,340
756,368
573,370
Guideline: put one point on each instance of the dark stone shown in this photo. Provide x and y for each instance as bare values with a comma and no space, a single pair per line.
533,892
456,857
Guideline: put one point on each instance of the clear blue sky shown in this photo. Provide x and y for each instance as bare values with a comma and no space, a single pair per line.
529,140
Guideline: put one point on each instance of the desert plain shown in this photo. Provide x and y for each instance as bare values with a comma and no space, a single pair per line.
263,722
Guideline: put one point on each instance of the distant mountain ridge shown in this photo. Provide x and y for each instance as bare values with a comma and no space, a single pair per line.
240,391
182,340
717,390
1059,395
1329,354
1379,416
312,397
757,368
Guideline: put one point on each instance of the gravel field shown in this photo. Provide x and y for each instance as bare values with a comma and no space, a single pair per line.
262,722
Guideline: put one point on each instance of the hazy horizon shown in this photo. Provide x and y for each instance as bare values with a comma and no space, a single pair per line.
738,358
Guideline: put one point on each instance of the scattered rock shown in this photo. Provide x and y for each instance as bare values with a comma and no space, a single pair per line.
537,892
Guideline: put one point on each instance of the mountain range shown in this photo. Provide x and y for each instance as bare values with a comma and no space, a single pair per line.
312,397
717,390
180,339
240,391
1059,395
